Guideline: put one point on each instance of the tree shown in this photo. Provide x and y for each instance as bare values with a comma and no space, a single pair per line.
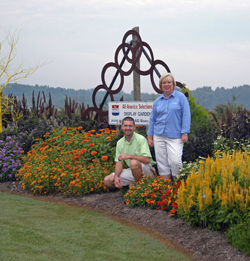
10,75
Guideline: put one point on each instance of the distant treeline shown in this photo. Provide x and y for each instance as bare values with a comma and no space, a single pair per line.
209,98
204,96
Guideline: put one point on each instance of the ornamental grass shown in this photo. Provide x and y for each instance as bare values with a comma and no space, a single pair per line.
69,161
154,192
218,193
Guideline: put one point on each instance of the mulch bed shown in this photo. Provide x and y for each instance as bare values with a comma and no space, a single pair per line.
197,243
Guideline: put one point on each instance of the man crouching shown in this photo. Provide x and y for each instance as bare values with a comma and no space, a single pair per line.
134,150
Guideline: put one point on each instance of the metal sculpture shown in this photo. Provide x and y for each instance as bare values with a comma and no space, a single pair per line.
136,51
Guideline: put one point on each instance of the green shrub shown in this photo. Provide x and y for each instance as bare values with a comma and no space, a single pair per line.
239,236
197,111
62,119
222,144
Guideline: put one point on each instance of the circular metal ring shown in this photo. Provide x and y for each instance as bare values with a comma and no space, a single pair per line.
152,58
103,78
100,113
95,92
134,59
179,84
116,59
152,74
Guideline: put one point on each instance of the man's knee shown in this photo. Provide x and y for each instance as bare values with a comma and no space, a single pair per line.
109,180
134,164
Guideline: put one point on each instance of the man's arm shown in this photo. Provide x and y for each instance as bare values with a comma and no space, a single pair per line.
142,159
118,171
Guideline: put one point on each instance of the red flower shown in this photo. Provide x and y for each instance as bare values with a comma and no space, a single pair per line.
150,201
166,192
172,211
152,195
174,205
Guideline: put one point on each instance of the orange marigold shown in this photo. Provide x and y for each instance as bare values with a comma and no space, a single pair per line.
79,128
104,158
91,145
93,153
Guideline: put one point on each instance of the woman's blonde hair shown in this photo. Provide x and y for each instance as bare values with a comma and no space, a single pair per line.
165,76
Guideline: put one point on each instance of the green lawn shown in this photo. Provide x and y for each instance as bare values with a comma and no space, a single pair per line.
35,230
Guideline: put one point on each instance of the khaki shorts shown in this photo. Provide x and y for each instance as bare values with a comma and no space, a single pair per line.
126,176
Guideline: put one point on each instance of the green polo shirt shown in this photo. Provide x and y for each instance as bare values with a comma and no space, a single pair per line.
138,146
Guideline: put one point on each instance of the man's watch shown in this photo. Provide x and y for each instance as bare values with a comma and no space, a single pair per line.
184,134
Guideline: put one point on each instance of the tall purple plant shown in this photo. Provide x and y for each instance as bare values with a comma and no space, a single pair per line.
10,159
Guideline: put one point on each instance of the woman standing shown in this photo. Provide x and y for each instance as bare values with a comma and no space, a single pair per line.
169,126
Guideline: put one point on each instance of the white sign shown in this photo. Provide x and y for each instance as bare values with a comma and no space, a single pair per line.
139,111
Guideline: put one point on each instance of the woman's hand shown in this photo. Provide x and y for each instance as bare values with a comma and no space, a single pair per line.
150,141
184,138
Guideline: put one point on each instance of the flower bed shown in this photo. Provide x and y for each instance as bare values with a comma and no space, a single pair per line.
210,192
69,161
154,192
10,159
217,194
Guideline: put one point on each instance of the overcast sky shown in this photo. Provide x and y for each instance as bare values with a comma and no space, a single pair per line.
203,42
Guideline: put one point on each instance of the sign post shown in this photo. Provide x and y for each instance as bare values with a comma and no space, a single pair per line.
136,76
